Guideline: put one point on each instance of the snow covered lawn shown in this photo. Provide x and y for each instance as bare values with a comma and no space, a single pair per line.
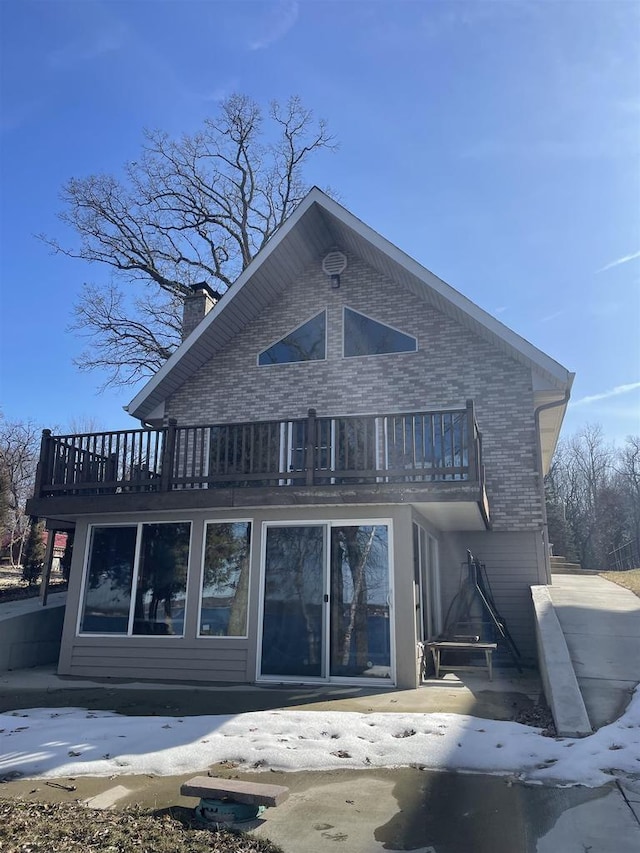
75,742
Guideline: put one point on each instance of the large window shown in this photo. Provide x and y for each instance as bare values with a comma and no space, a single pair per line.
364,336
107,594
306,343
136,579
225,579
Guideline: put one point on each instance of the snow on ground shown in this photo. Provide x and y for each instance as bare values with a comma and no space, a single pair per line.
42,742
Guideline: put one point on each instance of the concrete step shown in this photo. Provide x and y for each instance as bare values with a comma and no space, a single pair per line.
562,566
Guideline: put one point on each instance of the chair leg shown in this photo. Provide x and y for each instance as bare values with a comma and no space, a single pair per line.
436,661
488,654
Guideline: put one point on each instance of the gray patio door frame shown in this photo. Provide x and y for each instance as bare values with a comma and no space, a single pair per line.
324,592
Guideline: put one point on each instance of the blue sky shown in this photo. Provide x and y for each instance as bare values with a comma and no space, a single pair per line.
498,143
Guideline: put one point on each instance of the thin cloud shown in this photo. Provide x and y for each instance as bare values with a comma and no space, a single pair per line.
281,21
616,263
614,392
553,316
219,93
107,37
81,50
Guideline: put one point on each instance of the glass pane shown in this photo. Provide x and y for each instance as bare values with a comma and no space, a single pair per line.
293,602
360,626
306,343
425,572
162,579
364,336
225,581
434,599
420,633
107,595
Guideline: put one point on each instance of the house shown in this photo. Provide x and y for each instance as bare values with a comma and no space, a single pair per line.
314,462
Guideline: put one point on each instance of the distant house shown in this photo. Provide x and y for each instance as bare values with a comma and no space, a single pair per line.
60,543
316,459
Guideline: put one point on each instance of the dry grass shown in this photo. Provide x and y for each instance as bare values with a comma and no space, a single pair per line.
629,579
11,577
27,827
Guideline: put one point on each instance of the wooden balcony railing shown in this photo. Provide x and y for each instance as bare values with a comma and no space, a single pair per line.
313,451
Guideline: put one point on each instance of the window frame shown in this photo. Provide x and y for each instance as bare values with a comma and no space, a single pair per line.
291,332
138,525
225,637
346,308
328,524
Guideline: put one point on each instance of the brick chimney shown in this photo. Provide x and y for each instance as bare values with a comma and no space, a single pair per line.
196,306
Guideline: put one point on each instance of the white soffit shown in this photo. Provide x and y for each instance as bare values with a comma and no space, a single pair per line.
550,421
317,224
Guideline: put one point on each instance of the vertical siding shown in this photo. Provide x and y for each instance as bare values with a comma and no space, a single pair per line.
512,562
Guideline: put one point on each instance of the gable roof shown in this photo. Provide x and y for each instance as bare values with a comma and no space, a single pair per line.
317,225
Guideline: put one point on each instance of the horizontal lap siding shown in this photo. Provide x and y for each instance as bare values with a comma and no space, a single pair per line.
102,658
511,561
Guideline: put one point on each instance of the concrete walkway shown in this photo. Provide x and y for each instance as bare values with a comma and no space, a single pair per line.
601,624
508,696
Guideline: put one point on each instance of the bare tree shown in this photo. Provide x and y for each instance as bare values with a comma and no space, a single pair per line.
593,496
19,448
192,209
628,470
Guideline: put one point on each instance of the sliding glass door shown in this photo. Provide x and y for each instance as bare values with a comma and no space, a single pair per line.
326,602
292,623
360,637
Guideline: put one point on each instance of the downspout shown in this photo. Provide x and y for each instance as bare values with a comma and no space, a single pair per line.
545,528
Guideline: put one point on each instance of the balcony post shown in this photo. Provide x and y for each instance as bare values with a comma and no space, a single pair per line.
472,443
48,562
168,455
310,449
43,466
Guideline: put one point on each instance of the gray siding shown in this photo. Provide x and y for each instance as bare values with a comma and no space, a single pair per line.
231,659
176,659
451,366
513,562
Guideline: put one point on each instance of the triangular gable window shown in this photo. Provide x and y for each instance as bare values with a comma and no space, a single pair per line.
364,336
306,343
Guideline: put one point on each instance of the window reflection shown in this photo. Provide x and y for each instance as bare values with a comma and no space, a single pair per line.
162,579
306,343
159,601
293,598
107,596
225,580
364,336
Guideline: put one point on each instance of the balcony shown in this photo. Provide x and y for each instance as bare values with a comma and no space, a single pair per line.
416,457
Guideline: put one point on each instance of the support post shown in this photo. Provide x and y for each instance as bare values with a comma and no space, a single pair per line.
168,455
310,449
43,468
472,443
46,569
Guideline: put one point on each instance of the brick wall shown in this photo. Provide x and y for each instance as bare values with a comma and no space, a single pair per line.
451,365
